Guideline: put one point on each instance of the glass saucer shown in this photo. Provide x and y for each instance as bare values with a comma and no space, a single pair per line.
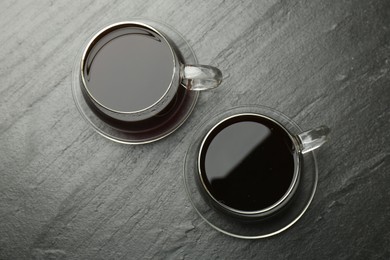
251,229
177,115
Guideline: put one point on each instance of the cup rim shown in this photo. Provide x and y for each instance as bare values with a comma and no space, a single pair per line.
288,194
91,44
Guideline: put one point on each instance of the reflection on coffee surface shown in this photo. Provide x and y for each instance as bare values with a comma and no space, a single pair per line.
247,162
129,68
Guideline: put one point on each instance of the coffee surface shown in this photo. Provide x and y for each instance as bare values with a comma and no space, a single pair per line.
129,68
247,163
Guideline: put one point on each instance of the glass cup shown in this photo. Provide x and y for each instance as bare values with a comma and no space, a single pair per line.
132,74
249,165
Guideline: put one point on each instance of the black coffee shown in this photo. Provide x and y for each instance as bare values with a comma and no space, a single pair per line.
128,68
247,162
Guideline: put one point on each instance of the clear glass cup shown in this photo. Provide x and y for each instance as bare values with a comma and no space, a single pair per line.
193,77
302,143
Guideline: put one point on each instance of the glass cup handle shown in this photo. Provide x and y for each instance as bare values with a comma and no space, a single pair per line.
312,139
200,77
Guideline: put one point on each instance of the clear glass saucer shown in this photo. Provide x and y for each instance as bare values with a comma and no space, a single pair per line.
251,229
175,119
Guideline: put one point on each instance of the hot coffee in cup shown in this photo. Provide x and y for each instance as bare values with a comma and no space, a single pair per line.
249,164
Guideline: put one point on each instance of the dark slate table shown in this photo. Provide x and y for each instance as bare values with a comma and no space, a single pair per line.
68,193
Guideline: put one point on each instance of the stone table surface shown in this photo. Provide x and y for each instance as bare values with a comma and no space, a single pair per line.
68,193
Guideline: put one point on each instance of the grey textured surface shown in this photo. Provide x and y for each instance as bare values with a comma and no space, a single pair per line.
68,193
